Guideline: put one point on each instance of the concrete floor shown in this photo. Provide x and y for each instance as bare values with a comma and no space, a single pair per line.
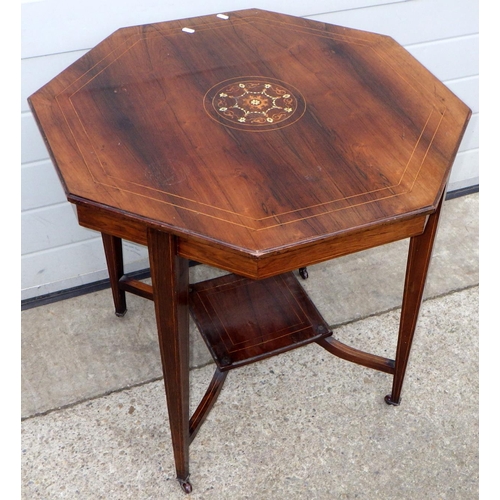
302,425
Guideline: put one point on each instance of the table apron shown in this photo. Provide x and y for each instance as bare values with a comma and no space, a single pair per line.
247,264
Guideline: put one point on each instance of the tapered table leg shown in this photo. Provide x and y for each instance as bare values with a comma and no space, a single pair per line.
419,256
170,280
114,258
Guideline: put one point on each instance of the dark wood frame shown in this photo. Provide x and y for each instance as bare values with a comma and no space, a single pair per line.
345,164
170,293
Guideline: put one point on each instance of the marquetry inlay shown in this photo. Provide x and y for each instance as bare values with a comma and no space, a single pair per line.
254,104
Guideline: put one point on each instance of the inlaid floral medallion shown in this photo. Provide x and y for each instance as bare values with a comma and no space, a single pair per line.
254,103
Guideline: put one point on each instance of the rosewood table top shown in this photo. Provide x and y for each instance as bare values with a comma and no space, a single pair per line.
256,134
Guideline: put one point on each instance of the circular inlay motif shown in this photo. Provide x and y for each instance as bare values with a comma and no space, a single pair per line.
254,104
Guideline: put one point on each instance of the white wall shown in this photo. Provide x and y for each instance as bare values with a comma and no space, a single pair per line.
56,252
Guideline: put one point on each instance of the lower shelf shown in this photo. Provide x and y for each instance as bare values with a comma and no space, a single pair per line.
243,321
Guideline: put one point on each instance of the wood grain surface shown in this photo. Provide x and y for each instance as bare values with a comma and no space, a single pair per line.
253,135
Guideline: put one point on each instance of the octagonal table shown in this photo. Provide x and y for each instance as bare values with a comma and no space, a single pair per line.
258,143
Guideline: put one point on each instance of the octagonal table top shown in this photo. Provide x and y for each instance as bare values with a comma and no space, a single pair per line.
251,130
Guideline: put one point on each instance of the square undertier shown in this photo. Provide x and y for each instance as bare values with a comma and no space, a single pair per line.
243,321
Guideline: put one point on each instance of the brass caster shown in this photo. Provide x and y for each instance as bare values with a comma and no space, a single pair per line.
185,485
390,402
